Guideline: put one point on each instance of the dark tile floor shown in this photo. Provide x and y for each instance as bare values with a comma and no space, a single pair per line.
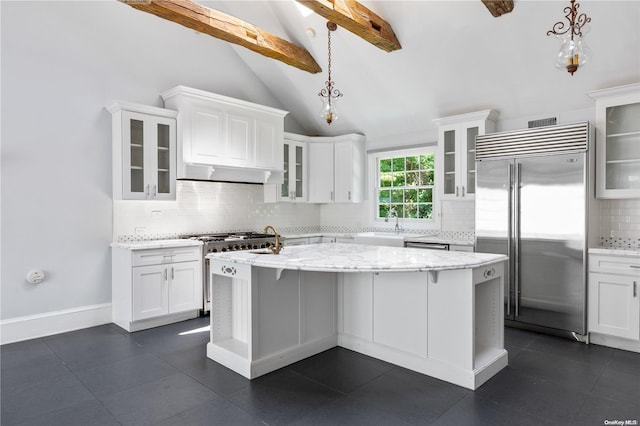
105,376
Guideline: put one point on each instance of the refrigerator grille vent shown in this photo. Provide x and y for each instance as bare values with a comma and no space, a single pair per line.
551,121
543,140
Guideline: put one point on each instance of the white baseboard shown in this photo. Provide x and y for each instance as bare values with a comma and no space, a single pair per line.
48,323
614,342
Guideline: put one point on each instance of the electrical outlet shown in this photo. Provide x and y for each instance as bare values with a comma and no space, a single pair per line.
156,213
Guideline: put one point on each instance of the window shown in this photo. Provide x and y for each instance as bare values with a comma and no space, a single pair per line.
405,184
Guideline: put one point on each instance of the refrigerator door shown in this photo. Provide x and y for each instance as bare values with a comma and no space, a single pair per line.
550,229
493,216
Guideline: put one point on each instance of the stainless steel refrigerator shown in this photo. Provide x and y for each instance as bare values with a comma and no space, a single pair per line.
531,204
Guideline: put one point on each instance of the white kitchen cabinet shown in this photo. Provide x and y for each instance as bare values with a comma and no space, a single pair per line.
157,286
295,241
294,187
614,303
618,141
321,172
455,164
460,247
144,152
225,138
336,169
302,241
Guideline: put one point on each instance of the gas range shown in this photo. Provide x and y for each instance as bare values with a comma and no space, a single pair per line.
228,241
233,241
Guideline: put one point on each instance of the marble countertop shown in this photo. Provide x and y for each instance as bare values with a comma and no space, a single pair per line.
337,257
153,244
409,236
614,251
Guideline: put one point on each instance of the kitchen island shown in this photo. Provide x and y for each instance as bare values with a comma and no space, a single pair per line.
436,312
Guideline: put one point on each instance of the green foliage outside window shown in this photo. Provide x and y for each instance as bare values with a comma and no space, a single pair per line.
405,186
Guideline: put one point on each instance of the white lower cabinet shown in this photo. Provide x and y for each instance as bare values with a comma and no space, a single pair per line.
614,300
154,287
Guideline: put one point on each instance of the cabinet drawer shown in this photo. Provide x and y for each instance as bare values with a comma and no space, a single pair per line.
626,265
168,255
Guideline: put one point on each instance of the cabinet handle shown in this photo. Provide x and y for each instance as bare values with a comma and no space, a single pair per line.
462,190
146,191
635,266
155,191
165,274
457,190
172,273
349,195
332,196
635,289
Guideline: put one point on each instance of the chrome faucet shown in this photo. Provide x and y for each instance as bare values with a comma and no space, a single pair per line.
275,249
393,212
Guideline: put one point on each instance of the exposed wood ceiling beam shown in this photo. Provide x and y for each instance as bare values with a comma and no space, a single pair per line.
228,28
498,7
358,19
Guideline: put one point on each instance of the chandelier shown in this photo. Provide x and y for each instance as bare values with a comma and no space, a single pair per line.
574,51
329,95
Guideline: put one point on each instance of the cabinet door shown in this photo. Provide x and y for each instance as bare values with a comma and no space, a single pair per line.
321,173
449,162
150,292
269,140
164,161
343,172
298,171
295,169
204,140
348,172
240,138
295,241
185,286
614,306
136,144
618,150
467,170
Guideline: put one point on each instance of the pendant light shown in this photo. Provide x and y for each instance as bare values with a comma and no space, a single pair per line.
329,95
574,51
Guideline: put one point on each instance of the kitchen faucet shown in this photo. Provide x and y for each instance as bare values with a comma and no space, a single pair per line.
275,249
395,214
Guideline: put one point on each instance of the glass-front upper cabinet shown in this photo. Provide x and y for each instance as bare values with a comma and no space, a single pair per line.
618,142
144,147
456,161
295,168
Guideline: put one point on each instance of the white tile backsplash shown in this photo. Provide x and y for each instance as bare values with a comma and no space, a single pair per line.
620,223
203,207
458,216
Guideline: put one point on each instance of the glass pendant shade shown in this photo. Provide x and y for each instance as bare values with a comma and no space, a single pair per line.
574,53
329,112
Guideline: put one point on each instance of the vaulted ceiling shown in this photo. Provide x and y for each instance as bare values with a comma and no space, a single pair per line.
455,58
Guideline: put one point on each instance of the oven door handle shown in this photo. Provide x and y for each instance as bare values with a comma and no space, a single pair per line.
427,246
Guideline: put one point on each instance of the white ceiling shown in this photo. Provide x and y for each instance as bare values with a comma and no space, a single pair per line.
455,58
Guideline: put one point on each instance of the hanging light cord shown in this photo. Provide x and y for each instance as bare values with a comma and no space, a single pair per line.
329,92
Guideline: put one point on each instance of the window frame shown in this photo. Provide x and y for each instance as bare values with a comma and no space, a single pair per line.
374,178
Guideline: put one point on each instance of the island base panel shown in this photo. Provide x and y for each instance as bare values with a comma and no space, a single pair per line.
470,379
253,369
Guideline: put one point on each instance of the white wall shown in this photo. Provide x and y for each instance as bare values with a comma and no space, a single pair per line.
61,63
